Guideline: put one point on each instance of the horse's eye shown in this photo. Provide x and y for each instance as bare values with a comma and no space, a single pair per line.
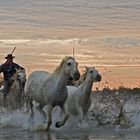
91,71
18,76
69,63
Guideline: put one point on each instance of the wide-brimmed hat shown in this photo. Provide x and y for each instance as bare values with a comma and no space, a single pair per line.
9,56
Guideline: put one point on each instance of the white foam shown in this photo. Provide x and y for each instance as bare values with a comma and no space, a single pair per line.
14,41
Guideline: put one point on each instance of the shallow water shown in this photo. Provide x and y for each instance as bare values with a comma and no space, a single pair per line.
17,125
74,13
81,18
100,134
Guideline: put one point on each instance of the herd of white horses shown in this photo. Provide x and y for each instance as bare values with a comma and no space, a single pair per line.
51,89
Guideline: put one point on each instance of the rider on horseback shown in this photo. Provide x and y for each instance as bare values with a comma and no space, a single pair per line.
8,69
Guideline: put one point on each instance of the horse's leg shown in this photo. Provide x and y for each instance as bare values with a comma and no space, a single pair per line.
31,106
49,116
81,114
40,109
61,123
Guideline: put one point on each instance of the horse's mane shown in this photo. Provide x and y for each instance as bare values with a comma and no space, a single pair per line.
58,69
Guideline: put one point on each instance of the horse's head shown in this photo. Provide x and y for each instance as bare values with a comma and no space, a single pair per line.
20,75
93,74
71,68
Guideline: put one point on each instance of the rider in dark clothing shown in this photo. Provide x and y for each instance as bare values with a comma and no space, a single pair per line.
8,69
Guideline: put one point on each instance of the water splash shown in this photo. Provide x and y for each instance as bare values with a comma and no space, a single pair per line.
110,108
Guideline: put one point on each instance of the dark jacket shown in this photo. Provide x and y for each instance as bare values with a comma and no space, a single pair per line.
9,69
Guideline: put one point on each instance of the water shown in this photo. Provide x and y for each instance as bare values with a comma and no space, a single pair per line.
15,134
117,58
17,125
89,133
74,13
78,18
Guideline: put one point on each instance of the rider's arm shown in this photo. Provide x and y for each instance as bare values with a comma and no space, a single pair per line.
1,68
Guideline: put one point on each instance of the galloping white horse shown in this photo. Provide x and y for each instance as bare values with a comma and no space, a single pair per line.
15,96
79,100
50,89
17,88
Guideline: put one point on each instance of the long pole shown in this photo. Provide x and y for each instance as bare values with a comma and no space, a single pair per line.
73,51
13,50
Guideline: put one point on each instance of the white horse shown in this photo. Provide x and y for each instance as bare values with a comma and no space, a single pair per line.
79,101
50,89
17,88
15,97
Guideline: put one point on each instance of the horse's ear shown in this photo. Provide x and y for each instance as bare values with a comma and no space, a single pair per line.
16,69
23,70
86,68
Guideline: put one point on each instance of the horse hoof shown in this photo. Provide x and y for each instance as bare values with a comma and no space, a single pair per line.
47,129
57,124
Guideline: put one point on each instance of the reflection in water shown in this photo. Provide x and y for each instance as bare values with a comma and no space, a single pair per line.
102,134
15,134
43,136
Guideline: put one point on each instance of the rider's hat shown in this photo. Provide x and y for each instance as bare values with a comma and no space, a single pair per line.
9,56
